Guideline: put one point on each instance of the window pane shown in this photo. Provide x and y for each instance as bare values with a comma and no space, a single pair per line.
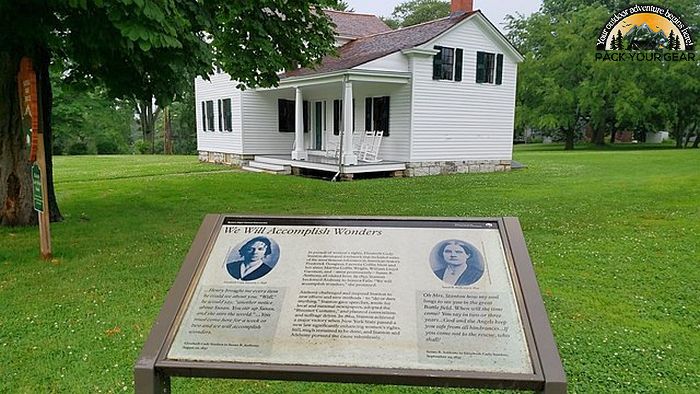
490,65
228,126
368,113
210,115
380,114
286,115
447,63
221,116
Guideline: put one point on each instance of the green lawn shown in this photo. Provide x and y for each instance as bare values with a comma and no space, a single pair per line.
614,236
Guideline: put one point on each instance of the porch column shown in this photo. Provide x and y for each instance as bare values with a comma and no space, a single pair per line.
299,152
349,158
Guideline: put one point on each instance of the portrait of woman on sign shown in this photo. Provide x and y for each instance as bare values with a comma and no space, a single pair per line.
457,263
253,259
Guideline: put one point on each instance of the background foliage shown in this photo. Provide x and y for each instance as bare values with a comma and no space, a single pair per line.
563,91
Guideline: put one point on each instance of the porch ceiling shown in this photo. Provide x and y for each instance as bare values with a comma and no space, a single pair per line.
373,76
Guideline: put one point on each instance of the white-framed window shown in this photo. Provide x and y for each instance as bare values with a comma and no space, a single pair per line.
447,64
489,68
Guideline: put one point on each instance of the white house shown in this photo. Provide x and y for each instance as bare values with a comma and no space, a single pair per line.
442,95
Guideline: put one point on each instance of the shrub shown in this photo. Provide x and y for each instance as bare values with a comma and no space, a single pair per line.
78,148
107,148
142,147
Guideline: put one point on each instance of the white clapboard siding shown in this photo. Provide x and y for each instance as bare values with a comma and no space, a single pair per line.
394,62
218,88
463,120
261,122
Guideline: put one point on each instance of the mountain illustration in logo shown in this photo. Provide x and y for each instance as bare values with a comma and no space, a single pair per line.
645,28
643,38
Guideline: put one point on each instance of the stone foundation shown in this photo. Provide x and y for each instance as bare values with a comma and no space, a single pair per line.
456,167
412,169
231,159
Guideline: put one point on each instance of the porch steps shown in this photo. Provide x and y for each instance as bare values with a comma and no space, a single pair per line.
270,168
272,160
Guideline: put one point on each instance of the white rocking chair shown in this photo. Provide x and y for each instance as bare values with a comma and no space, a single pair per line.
332,149
369,151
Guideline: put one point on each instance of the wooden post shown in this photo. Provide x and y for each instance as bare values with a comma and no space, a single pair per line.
29,101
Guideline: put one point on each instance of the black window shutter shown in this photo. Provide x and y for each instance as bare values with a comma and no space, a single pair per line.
458,64
386,116
336,117
221,123
280,115
480,67
227,115
305,108
368,113
437,63
204,117
499,70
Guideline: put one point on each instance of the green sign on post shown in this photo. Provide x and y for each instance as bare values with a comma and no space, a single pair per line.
38,194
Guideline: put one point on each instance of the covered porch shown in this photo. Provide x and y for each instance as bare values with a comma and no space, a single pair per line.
341,121
319,164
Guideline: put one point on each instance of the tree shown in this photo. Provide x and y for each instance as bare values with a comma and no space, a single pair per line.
413,12
138,48
677,44
391,22
562,7
680,81
167,132
618,41
87,120
613,45
671,41
148,114
561,87
554,79
340,5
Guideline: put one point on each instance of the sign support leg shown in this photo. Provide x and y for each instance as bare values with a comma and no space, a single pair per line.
149,381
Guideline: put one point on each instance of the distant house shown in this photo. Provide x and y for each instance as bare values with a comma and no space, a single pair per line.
434,98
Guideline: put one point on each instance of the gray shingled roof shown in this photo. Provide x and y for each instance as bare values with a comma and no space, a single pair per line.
350,24
366,49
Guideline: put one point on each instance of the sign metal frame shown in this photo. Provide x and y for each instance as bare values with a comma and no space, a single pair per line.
153,370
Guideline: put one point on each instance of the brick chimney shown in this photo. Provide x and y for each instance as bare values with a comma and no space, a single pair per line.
461,6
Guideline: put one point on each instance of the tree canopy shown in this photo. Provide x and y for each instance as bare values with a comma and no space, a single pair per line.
143,49
413,12
562,88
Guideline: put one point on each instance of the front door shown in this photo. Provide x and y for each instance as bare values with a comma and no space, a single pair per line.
318,125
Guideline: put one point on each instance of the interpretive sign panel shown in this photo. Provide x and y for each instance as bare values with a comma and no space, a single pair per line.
408,301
